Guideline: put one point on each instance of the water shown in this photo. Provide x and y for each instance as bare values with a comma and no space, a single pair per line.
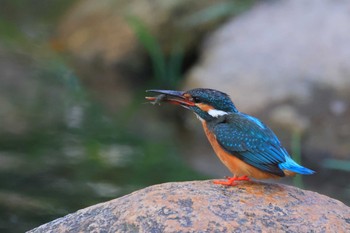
82,158
60,150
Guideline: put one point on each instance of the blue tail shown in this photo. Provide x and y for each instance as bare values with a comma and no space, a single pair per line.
291,165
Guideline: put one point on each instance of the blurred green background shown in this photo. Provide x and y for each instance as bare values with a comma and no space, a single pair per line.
61,148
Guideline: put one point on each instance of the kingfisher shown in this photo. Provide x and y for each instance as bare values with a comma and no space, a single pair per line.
243,143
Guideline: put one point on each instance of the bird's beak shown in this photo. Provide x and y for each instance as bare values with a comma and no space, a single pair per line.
170,96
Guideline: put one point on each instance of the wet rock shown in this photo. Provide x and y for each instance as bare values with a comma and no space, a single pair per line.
201,206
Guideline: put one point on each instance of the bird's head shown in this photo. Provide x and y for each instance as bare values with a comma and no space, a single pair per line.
208,104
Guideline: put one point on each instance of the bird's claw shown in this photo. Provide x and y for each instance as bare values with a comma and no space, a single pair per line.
231,180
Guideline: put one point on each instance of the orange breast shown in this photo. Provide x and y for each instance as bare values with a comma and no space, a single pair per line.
235,165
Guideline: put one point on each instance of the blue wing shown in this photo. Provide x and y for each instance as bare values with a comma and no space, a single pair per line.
251,141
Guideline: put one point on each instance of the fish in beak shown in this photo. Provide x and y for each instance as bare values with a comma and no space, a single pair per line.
172,97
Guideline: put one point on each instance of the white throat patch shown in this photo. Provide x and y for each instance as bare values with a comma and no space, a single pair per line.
216,113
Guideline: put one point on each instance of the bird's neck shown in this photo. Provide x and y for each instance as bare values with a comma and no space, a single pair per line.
209,114
211,122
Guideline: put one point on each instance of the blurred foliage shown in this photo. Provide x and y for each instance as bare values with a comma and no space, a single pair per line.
73,155
167,71
83,159
25,21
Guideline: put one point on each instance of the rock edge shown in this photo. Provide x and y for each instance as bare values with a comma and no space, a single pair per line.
201,206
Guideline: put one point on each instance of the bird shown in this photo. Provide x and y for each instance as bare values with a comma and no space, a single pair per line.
243,143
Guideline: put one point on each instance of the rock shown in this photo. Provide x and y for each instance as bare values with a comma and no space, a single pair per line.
289,56
200,206
276,51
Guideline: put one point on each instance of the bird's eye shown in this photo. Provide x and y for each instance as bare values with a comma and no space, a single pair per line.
195,99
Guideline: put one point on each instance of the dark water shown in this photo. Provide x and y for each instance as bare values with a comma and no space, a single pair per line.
70,154
59,150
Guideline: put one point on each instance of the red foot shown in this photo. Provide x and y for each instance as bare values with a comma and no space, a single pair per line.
231,180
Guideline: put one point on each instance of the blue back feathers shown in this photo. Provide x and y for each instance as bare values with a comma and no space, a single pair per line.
253,142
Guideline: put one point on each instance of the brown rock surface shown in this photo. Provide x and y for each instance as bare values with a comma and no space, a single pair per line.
200,206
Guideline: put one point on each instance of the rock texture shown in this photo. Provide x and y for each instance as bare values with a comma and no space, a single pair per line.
201,206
